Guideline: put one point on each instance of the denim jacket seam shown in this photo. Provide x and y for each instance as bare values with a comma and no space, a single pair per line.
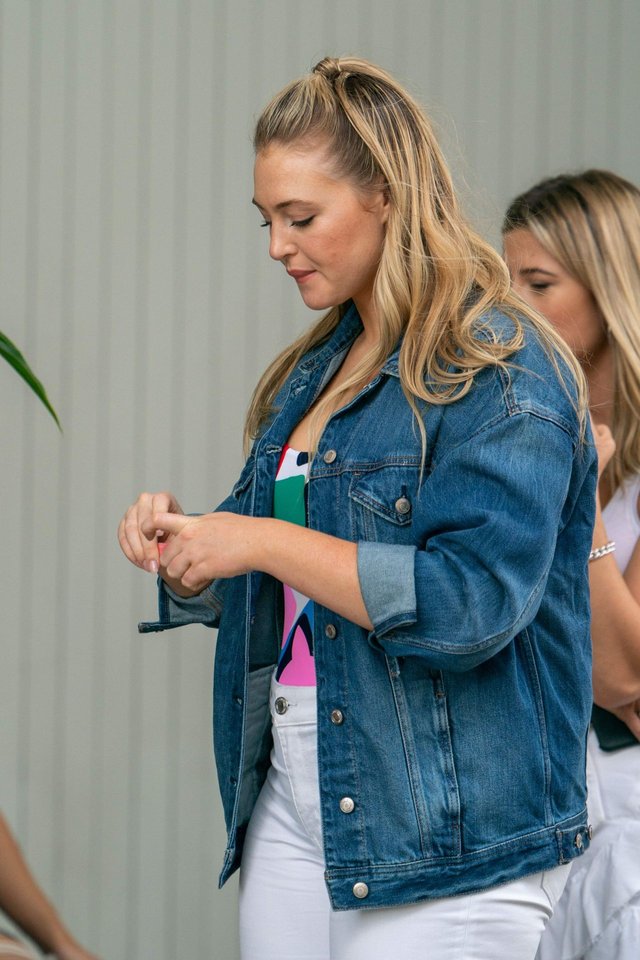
517,411
555,830
406,618
359,468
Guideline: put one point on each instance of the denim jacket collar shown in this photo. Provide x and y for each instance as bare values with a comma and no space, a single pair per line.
342,337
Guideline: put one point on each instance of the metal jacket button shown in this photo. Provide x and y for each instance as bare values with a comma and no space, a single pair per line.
337,717
347,805
360,890
281,705
330,631
330,456
403,505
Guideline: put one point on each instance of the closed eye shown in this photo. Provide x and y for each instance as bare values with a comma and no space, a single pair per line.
294,223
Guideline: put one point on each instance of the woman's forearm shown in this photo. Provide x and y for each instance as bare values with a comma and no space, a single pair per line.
615,628
22,899
219,545
322,567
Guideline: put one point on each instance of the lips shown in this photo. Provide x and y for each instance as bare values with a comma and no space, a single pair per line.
300,275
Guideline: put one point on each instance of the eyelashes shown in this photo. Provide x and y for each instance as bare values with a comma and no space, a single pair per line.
294,223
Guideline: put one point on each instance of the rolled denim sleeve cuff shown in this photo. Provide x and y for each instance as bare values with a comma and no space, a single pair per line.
387,582
176,611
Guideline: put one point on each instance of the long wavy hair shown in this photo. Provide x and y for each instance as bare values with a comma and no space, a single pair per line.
436,277
590,223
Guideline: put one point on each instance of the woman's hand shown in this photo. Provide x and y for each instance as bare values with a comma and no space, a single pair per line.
605,445
201,549
137,534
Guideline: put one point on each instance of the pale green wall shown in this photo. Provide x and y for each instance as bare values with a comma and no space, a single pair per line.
134,275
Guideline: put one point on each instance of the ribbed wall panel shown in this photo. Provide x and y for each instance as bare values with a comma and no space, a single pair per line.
135,277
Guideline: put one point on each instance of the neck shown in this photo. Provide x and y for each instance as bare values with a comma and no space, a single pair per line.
599,372
371,326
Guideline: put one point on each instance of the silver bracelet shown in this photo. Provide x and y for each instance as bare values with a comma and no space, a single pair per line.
602,551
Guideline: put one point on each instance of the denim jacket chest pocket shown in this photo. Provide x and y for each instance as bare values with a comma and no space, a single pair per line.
383,501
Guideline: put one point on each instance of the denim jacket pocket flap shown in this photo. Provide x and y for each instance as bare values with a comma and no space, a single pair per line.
385,494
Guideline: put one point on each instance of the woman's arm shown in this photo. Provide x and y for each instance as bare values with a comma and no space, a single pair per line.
204,548
487,517
23,900
615,614
615,625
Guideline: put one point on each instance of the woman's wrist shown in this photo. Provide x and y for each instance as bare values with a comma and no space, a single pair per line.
600,536
262,544
48,930
65,947
178,588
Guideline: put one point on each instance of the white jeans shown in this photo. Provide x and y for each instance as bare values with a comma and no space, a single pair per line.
285,913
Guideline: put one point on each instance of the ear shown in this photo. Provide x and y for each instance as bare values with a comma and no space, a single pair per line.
383,203
387,202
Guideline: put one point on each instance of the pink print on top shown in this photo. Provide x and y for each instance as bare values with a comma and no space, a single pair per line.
295,664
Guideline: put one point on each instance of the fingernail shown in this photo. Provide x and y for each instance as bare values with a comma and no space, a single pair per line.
153,566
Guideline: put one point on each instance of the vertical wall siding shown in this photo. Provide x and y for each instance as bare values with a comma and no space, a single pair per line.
135,277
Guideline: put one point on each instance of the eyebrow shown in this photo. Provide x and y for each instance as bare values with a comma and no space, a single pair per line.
527,271
282,205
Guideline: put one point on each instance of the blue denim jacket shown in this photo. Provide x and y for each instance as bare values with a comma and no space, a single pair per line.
463,715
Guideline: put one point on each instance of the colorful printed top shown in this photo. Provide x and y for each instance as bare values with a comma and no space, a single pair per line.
295,663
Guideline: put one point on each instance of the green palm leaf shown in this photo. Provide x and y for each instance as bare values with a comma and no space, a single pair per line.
12,355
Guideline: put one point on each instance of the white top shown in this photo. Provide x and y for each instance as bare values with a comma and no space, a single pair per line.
598,916
622,521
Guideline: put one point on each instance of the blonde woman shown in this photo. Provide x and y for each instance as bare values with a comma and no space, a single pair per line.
401,694
572,244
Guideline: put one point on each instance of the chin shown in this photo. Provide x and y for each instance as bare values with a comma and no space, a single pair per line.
318,303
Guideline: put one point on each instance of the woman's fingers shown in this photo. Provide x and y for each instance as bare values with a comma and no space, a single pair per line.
137,532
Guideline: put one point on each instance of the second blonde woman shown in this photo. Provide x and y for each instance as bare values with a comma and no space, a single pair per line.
573,246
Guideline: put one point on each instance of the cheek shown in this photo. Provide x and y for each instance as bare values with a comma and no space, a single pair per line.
560,318
526,295
541,304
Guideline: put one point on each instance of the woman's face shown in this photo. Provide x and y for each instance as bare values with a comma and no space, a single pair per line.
327,234
544,283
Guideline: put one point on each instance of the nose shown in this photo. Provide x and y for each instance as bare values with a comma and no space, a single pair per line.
281,243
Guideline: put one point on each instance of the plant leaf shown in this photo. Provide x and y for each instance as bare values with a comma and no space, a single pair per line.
12,355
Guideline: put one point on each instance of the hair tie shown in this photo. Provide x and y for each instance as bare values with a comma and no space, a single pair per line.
329,68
